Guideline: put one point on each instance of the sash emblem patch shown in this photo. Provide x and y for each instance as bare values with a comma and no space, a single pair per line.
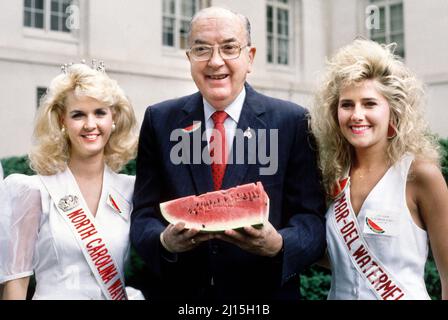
114,204
68,202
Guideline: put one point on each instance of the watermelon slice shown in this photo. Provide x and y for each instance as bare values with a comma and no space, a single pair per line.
245,205
373,226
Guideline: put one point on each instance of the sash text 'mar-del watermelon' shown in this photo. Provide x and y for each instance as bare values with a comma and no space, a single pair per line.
245,205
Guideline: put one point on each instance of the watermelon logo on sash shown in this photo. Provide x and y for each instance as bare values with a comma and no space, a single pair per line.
373,226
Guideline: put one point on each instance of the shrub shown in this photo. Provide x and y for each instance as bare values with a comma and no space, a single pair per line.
16,165
444,162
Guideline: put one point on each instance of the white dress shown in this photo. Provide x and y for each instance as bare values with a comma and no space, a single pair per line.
402,247
35,238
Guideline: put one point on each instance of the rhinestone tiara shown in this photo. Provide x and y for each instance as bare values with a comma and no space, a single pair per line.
96,65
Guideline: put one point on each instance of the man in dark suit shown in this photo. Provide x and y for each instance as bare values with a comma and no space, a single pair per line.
252,263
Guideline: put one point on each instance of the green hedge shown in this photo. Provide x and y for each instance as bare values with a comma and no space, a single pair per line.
315,281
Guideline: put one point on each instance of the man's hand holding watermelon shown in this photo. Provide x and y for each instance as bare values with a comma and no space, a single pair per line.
177,239
265,241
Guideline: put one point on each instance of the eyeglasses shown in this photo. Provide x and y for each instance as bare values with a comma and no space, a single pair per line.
227,51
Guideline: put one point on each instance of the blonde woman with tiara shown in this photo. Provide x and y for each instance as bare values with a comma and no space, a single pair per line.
69,224
380,168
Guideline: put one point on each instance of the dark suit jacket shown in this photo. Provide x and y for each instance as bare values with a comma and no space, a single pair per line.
217,270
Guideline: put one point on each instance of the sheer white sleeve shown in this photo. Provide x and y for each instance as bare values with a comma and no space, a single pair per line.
20,214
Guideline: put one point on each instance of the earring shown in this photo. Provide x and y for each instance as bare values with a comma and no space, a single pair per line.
63,130
391,132
113,126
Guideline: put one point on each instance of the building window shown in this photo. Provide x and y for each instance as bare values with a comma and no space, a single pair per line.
391,24
34,14
49,15
176,21
39,94
278,31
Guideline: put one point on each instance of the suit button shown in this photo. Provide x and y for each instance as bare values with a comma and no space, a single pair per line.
215,249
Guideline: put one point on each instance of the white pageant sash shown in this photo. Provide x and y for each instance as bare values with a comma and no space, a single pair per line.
71,205
380,281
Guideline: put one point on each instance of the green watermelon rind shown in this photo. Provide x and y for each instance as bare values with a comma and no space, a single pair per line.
256,226
373,228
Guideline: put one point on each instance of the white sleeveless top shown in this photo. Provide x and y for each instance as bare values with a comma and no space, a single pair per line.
393,238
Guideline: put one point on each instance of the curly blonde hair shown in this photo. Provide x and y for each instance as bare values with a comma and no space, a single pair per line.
367,60
51,147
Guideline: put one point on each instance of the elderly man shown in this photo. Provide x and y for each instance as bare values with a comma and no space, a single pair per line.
236,264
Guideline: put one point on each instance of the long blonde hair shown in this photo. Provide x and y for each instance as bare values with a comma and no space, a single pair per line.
51,147
362,60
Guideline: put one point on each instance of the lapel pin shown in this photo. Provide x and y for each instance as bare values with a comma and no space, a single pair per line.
248,133
195,126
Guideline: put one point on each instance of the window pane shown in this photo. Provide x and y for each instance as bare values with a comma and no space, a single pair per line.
39,20
54,22
169,6
188,8
399,40
183,41
39,4
65,17
54,6
27,3
270,23
65,6
168,32
283,1
396,17
270,49
382,29
64,26
283,48
27,19
282,22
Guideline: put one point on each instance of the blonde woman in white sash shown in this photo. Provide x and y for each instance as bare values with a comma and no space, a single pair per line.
381,171
69,225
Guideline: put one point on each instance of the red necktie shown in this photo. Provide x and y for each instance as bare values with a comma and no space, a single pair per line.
218,149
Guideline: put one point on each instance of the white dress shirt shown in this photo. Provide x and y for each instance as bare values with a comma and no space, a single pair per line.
234,112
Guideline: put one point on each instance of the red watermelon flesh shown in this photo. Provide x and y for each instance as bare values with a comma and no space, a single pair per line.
233,208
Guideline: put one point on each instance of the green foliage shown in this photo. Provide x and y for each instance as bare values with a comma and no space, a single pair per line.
16,165
444,162
129,168
432,280
134,267
315,281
